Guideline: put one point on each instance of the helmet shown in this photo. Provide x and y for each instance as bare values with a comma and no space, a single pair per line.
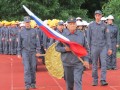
98,12
7,23
52,24
103,18
85,23
22,25
78,18
79,23
49,21
110,17
45,22
13,22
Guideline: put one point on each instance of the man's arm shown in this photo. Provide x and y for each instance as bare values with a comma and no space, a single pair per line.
38,45
19,43
60,47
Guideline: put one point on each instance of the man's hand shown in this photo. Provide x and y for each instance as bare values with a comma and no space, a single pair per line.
10,39
45,49
67,48
86,64
19,56
17,39
109,52
117,46
38,55
3,39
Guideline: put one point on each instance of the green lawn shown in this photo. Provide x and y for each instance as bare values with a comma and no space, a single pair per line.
118,54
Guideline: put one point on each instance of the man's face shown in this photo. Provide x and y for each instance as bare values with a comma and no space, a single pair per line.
72,26
60,27
1,25
110,21
80,27
98,17
27,24
13,25
53,27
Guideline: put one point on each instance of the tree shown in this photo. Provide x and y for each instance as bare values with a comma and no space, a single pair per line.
45,9
92,5
112,7
72,8
9,9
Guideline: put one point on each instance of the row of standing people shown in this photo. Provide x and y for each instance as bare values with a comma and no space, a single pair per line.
114,36
8,38
102,39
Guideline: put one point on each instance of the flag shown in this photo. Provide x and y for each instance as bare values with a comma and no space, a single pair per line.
76,48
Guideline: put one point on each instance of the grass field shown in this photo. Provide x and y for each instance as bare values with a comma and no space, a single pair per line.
118,54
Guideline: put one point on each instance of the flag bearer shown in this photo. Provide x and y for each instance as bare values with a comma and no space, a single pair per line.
73,67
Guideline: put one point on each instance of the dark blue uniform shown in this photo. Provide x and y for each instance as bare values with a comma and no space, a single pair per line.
53,40
114,35
13,35
28,45
99,39
40,33
5,39
1,48
72,66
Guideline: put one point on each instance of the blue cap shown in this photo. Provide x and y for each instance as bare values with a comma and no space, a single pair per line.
98,12
60,23
26,19
71,19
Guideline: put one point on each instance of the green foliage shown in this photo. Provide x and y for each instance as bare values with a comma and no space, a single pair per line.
9,9
112,7
71,8
45,9
92,5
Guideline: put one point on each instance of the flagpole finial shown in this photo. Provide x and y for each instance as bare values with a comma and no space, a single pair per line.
23,6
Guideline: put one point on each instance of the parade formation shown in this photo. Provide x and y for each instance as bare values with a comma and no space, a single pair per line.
100,38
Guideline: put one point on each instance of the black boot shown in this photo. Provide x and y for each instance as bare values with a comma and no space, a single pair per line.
103,83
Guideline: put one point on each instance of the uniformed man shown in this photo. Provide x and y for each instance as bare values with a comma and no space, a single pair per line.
40,34
46,40
1,49
59,29
73,67
98,38
13,33
28,46
45,45
5,38
114,35
79,25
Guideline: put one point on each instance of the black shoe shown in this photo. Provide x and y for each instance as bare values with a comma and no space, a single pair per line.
109,69
114,68
95,83
103,83
33,86
27,88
